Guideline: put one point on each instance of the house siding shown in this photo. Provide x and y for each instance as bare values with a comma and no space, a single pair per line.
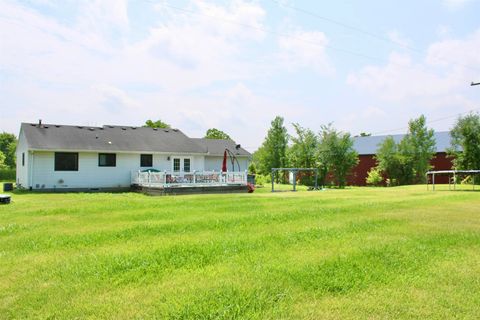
215,163
22,169
366,162
90,175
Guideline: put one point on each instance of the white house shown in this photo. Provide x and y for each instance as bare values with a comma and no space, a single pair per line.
54,157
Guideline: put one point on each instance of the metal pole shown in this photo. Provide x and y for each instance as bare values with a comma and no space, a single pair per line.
294,180
454,181
433,182
427,178
449,182
272,181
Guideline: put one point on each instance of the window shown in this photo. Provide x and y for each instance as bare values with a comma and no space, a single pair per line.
176,164
23,159
65,161
186,165
107,159
146,160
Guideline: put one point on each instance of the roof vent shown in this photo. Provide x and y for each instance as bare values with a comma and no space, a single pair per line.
101,128
111,127
134,128
91,129
155,129
124,128
80,127
33,125
166,130
57,125
176,130
46,127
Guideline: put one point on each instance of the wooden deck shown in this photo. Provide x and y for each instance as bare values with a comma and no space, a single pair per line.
179,190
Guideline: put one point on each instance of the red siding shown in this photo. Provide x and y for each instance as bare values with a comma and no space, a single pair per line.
360,172
366,162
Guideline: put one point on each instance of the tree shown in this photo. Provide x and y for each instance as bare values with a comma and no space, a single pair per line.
303,152
252,169
338,151
214,133
2,161
389,161
374,177
272,153
156,124
8,145
408,161
419,146
466,142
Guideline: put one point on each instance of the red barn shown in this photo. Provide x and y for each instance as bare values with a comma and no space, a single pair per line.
367,147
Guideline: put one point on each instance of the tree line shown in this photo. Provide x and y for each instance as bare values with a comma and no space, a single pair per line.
329,150
332,152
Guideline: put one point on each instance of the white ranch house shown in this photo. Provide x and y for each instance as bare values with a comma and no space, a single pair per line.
54,157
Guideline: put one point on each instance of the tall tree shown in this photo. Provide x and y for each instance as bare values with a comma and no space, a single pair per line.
408,161
214,133
303,151
338,151
8,144
466,142
388,160
2,161
419,146
272,153
156,124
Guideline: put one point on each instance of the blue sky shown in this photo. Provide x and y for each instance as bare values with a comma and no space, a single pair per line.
366,66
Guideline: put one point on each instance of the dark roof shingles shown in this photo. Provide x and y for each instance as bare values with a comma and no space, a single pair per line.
109,138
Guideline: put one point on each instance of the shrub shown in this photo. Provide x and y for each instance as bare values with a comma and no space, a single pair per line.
374,177
7,174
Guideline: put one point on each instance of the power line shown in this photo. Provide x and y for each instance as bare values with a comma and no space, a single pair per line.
286,35
367,33
291,36
428,122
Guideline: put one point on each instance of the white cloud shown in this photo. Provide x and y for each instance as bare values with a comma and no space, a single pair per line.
455,4
448,66
305,49
398,38
89,71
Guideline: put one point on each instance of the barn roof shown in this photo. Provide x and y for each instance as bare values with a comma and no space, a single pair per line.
217,147
109,138
369,145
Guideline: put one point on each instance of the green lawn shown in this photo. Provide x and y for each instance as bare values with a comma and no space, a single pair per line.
378,253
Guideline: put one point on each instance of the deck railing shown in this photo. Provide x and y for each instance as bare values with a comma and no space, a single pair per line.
188,179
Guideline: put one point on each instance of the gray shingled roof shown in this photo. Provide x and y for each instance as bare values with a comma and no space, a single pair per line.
217,147
109,138
369,145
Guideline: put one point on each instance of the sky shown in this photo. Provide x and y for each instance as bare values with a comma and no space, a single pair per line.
364,66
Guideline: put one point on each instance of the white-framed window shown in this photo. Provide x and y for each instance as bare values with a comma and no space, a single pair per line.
182,164
176,164
186,165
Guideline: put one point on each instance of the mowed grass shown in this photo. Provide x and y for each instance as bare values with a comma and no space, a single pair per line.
377,253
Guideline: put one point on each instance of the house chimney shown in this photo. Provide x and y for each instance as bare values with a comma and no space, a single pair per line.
39,122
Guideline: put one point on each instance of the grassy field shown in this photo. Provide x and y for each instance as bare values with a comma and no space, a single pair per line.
378,253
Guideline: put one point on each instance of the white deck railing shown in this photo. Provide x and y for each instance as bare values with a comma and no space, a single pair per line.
188,179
